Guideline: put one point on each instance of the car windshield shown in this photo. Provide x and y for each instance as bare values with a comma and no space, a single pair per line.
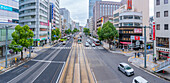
128,67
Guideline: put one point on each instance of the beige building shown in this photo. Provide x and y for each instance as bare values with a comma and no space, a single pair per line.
143,6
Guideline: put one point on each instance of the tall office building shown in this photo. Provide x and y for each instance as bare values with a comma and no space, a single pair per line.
54,17
35,14
9,15
104,9
66,14
162,23
91,4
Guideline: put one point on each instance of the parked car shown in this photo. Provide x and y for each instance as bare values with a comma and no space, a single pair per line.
87,44
139,79
126,69
93,45
64,42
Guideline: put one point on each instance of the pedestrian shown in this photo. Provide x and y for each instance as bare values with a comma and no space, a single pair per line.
138,54
135,54
155,59
25,49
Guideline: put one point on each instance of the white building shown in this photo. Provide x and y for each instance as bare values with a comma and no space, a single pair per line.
162,22
35,14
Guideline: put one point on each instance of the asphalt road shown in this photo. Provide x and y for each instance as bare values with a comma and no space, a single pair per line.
45,68
104,65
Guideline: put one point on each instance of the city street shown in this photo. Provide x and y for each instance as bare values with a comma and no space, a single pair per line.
45,68
104,65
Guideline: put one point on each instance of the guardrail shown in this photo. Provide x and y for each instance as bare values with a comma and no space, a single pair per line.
162,66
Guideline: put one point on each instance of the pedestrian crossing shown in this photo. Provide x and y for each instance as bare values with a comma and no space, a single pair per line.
82,47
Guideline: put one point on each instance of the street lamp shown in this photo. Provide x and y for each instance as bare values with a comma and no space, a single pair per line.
6,45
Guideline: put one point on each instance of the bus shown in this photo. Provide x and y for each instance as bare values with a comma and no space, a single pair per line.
79,40
96,42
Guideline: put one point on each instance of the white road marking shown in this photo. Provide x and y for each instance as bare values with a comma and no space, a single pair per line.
46,61
60,73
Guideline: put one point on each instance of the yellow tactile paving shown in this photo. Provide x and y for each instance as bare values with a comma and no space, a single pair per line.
1,68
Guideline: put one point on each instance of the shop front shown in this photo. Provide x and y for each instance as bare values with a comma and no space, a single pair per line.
162,55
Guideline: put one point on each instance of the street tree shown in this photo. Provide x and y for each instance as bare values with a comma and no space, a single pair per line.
22,37
86,31
108,32
98,33
56,34
75,30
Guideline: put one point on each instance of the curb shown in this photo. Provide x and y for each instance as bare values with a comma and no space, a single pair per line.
149,72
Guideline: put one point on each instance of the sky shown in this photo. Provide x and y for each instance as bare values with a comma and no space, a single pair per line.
79,9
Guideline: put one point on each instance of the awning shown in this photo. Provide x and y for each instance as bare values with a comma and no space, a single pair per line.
43,39
125,43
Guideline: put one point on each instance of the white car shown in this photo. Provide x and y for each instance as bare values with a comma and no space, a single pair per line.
64,42
139,79
126,69
87,44
93,45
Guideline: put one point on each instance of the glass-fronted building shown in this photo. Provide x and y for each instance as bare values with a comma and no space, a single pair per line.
9,15
91,4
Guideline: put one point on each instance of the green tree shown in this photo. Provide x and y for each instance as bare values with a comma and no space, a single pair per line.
22,36
75,30
108,32
98,33
86,31
56,34
53,33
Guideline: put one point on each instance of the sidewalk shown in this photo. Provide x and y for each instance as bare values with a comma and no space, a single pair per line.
25,54
119,51
139,61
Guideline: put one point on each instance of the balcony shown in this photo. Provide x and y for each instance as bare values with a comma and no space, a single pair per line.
26,8
28,14
26,2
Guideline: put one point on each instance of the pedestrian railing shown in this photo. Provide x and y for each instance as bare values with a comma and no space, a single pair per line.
161,66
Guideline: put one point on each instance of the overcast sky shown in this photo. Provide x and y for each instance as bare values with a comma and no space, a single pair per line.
79,9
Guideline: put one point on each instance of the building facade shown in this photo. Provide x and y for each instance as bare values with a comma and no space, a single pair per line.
91,4
104,9
130,24
9,15
35,14
162,23
66,14
54,17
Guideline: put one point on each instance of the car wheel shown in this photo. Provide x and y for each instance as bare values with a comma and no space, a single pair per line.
126,74
118,68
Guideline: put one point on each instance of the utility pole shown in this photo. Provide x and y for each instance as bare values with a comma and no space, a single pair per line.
145,46
6,63
6,47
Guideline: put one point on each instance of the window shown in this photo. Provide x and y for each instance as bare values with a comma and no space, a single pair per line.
165,13
157,14
165,1
158,27
157,2
162,42
166,27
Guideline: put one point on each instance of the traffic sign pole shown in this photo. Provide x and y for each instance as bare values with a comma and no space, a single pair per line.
145,47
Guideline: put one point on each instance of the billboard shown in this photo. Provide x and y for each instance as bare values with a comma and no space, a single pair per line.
153,30
137,30
129,7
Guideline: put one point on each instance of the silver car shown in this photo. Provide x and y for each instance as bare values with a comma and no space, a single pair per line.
93,45
87,44
126,69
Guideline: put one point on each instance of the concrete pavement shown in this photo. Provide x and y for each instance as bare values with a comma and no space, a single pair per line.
139,61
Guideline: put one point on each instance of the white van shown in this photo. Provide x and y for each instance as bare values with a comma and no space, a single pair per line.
139,79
